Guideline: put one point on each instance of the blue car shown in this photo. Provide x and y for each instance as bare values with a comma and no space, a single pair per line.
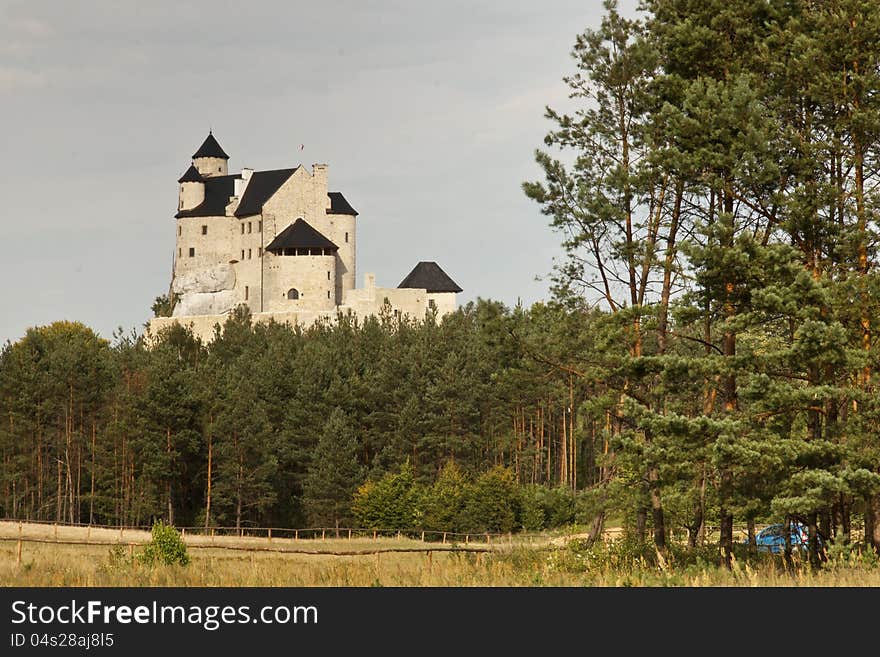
772,538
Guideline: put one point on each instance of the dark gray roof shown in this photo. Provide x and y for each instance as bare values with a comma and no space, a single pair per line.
428,276
260,188
192,175
338,204
300,235
218,189
210,148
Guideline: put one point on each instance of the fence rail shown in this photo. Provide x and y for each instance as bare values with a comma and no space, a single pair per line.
301,533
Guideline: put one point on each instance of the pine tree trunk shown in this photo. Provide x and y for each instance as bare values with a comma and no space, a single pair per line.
208,495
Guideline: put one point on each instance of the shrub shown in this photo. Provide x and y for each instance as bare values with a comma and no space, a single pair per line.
392,502
493,503
444,502
166,547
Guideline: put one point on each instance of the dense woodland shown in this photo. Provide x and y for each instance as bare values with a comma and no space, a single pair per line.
710,355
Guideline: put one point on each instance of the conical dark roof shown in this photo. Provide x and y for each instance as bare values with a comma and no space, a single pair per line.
192,175
429,277
210,148
299,235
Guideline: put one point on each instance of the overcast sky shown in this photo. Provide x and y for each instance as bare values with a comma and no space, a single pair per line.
427,113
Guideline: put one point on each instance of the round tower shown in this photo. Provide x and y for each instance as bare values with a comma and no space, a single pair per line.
192,189
210,160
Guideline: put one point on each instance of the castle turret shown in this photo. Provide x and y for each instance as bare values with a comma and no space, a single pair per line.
210,160
192,189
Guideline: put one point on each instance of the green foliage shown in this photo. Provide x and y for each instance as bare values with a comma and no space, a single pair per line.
392,502
334,474
493,504
166,547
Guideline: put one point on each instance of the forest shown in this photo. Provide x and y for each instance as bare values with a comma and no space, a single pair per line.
708,357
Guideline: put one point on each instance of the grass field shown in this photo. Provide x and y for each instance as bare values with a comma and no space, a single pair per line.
523,561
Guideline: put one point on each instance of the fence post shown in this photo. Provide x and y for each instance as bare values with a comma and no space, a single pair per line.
467,539
444,538
121,532
131,550
423,536
19,552
488,539
270,534
349,534
323,533
375,534
295,534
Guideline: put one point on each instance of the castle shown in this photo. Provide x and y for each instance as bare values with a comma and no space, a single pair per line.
282,244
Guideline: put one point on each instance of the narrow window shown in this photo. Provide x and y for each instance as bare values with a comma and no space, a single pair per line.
204,230
219,169
328,275
260,226
192,252
242,254
249,254
293,294
180,230
242,228
179,253
328,294
249,227
246,292
346,237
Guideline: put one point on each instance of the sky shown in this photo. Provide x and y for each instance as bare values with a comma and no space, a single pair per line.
427,114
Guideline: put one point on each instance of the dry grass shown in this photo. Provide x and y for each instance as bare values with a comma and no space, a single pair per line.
517,564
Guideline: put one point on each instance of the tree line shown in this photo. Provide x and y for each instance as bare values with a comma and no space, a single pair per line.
268,425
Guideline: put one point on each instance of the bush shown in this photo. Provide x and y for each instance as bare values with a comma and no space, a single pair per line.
444,502
392,502
546,508
493,504
166,547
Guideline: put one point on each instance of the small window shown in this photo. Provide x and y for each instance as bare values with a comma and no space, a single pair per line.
293,294
259,251
242,254
328,275
346,237
249,254
204,230
180,230
179,253
249,227
192,252
328,294
260,226
242,229
220,169
246,292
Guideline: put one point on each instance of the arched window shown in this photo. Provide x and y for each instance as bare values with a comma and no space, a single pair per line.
293,294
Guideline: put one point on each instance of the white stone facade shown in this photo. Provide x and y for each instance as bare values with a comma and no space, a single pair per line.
224,226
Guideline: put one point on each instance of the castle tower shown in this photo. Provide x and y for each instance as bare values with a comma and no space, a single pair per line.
192,189
210,160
